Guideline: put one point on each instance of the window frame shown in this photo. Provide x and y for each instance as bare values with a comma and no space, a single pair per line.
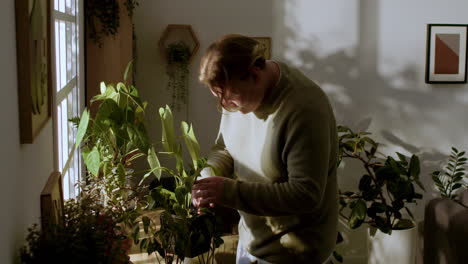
70,190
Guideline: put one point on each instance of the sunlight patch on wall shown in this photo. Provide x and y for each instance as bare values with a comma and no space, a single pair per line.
321,28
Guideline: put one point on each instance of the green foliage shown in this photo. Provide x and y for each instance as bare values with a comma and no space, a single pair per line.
110,142
178,56
183,232
336,255
178,52
384,190
116,136
452,178
89,233
103,17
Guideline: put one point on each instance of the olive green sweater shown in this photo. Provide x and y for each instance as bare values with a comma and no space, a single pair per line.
282,162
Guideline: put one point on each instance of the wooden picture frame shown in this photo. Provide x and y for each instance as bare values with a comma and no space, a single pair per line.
266,41
52,201
33,47
446,53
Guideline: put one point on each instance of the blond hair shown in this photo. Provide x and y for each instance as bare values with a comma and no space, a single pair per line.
230,58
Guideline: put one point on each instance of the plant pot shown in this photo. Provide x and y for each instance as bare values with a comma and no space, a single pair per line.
194,246
399,247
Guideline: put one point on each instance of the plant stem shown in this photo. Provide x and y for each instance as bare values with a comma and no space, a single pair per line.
374,179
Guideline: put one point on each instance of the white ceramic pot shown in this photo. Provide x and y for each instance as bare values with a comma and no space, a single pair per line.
399,247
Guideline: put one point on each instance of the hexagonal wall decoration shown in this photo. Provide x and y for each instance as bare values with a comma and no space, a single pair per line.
176,33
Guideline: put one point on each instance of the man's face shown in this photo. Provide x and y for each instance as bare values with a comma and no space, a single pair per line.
240,95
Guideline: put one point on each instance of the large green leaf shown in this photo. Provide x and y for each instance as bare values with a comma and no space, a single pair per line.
103,88
191,143
107,92
382,225
343,129
365,182
180,193
108,112
139,137
396,166
414,167
146,222
121,174
386,173
128,70
122,98
419,183
82,127
358,214
168,138
403,224
121,87
154,163
92,161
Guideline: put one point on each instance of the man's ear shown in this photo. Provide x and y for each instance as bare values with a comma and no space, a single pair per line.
255,73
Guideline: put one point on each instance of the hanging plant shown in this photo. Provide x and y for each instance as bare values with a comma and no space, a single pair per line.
103,17
178,56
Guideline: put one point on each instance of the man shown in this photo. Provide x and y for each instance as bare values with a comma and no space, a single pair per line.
275,155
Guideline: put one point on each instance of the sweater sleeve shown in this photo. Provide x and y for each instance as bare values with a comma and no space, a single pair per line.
306,154
220,159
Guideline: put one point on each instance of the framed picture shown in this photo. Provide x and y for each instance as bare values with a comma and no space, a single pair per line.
446,53
34,66
52,201
265,41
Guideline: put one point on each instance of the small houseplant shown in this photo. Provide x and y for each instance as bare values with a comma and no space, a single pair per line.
178,56
385,189
114,138
445,216
110,142
103,17
87,233
451,180
183,232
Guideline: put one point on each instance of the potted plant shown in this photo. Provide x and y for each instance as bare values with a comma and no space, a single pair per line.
451,180
178,56
384,191
114,138
88,233
103,17
110,142
445,216
183,232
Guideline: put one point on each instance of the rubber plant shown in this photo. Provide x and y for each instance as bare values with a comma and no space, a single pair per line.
384,190
183,232
178,57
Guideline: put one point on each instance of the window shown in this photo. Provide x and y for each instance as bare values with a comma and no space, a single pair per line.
69,88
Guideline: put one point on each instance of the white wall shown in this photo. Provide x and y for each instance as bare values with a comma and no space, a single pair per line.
368,55
25,168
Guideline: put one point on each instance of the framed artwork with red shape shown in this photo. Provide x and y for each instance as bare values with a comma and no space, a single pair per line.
446,53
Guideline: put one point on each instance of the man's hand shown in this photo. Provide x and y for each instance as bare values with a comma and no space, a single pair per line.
208,192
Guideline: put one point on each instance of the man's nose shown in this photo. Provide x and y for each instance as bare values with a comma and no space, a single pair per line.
231,102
